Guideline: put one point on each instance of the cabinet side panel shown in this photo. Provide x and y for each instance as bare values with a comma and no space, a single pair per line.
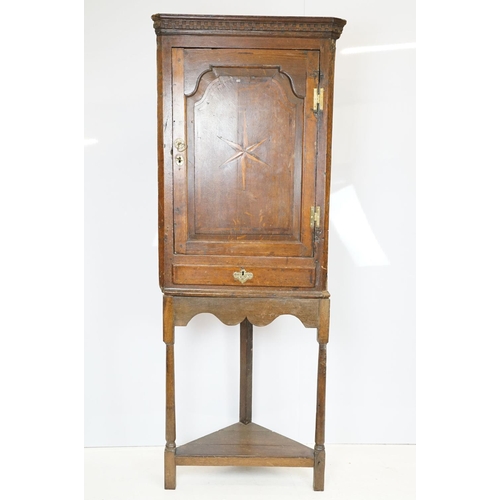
324,159
164,134
161,191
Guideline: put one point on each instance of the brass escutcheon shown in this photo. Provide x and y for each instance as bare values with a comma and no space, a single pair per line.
180,145
242,276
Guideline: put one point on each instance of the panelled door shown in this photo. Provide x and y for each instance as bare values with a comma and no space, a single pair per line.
244,154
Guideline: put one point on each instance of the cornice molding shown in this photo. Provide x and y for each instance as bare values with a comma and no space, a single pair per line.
170,24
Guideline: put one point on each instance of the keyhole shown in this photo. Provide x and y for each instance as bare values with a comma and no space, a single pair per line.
179,160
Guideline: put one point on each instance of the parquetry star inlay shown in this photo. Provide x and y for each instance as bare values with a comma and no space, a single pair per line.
244,152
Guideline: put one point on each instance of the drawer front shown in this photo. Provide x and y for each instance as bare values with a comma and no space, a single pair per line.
237,276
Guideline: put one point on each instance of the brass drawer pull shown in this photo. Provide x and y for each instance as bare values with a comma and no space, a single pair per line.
242,276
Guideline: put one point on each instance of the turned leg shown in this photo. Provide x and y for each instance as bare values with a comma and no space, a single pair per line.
168,337
319,448
246,351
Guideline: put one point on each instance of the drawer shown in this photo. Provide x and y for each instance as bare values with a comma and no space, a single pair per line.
237,276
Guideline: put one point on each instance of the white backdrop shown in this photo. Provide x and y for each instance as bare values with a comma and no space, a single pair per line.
371,354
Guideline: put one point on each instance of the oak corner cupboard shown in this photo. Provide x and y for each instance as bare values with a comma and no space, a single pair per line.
244,148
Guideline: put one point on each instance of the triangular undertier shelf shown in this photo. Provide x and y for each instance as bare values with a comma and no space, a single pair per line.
245,444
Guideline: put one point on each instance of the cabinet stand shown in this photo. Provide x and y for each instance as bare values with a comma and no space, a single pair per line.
245,443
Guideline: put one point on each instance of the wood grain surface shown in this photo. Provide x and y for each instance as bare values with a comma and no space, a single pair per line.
245,444
244,154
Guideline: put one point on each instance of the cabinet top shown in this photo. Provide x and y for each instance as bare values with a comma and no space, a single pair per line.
318,27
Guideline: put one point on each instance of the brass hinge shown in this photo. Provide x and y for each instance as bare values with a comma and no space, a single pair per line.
315,216
318,99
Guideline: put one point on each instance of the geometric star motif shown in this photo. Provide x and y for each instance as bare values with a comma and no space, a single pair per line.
245,152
